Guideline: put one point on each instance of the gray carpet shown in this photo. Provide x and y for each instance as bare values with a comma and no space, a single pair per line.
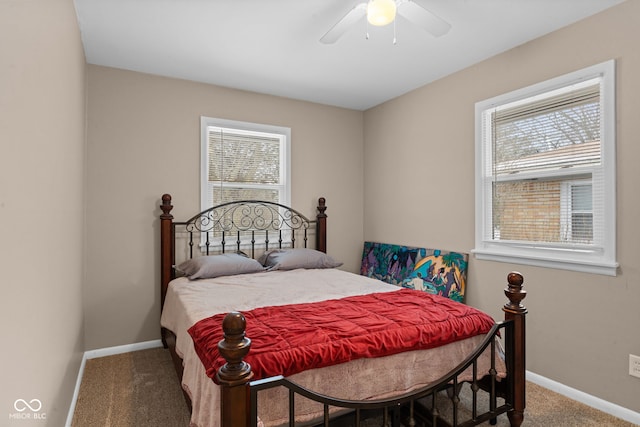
141,389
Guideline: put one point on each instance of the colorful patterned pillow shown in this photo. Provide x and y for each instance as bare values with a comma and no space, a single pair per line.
430,270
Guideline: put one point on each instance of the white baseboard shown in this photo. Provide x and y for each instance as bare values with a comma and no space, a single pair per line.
587,399
110,351
102,352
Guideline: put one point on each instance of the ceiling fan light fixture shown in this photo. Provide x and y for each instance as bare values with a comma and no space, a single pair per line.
381,12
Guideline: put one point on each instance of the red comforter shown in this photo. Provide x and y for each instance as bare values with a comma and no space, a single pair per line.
293,338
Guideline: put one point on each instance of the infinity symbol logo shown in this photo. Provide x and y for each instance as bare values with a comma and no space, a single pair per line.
21,405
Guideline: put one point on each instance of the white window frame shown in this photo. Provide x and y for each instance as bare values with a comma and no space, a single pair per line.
598,260
284,133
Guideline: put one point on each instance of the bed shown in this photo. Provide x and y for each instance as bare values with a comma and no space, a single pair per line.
235,273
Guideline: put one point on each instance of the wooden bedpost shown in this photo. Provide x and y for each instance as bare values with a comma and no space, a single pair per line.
166,245
515,343
234,376
166,254
321,232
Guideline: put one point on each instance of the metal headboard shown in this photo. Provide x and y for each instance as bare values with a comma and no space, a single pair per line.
251,226
246,225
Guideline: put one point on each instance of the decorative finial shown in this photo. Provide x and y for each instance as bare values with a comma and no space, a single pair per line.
234,347
322,207
166,207
515,293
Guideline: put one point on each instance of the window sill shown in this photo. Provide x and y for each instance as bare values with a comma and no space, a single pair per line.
593,265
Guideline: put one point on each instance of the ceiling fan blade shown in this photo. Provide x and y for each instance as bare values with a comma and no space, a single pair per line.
423,18
341,27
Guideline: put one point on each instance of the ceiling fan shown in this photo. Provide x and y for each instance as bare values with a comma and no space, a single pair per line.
383,12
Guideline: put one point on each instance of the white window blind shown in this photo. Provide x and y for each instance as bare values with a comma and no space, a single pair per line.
244,161
537,145
244,166
545,173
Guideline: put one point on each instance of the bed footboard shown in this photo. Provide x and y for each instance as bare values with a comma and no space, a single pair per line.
238,392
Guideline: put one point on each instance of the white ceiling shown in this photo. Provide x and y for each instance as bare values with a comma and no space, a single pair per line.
272,46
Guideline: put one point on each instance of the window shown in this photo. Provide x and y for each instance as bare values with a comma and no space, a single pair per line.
576,210
545,173
243,161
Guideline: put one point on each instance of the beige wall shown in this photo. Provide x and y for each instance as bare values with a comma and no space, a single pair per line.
144,140
419,170
42,102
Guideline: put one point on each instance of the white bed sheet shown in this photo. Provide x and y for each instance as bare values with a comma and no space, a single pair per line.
187,302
